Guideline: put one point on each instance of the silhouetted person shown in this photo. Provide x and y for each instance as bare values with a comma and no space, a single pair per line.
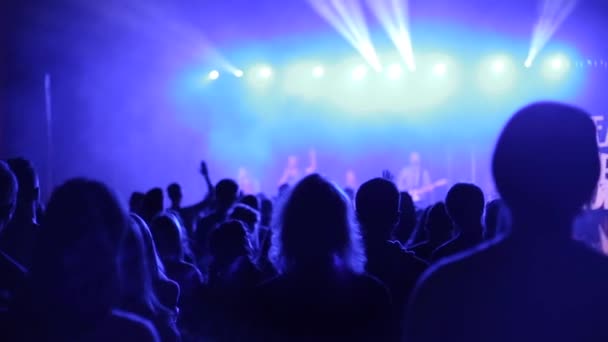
465,204
407,219
19,237
377,203
174,192
167,235
251,201
138,291
321,291
232,277
167,290
136,203
537,284
492,219
153,204
226,194
438,228
192,213
12,274
76,277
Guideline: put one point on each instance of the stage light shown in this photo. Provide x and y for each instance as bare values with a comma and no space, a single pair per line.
557,63
394,71
556,67
497,75
359,72
214,75
265,72
553,14
348,18
238,73
440,69
499,66
318,71
394,16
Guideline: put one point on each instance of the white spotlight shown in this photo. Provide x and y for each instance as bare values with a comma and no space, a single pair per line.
528,63
265,72
318,72
499,66
394,71
440,69
557,63
238,73
359,72
214,75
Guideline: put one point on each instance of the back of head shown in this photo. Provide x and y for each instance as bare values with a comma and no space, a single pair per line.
438,223
315,228
153,203
377,203
174,192
229,241
29,188
546,162
76,263
226,192
465,203
251,201
250,217
166,232
8,194
136,202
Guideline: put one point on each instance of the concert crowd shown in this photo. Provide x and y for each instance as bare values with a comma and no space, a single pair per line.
315,262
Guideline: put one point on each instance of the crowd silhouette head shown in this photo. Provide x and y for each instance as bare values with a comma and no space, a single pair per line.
546,165
76,264
229,241
465,204
316,213
174,192
167,236
251,201
377,203
226,192
153,203
438,224
249,216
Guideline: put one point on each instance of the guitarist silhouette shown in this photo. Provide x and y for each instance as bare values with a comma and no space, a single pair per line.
416,180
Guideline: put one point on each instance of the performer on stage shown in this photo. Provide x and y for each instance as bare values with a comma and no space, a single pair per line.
414,178
247,184
351,180
292,173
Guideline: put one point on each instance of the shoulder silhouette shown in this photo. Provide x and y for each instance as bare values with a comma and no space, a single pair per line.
465,205
536,284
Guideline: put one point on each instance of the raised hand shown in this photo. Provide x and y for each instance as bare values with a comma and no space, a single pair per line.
388,175
204,171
